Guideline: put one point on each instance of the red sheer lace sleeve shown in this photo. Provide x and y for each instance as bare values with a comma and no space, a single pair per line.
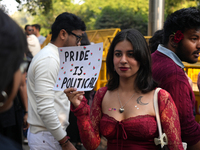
170,120
89,124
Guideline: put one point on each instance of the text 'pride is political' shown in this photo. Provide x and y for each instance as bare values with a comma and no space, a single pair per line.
79,67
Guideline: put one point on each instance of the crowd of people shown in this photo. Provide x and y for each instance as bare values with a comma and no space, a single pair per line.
123,111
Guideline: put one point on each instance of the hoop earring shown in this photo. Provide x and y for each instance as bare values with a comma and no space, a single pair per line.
4,94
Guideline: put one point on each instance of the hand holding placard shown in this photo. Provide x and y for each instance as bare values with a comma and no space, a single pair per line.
74,96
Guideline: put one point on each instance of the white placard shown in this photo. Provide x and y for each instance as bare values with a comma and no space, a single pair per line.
79,67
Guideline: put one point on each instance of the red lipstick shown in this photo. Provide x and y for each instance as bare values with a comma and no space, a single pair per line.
123,68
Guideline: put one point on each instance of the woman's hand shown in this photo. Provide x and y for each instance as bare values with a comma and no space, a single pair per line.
74,96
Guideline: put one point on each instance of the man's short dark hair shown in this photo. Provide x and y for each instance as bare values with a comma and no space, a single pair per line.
155,40
68,22
85,40
37,26
27,26
186,18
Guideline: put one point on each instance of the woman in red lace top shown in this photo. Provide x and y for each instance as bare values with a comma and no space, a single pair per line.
123,111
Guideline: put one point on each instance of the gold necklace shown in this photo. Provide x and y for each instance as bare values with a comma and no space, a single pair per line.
121,109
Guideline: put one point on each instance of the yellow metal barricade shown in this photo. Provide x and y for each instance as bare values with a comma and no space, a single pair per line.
193,70
106,36
48,39
103,35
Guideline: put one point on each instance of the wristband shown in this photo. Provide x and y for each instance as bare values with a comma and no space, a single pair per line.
25,112
64,140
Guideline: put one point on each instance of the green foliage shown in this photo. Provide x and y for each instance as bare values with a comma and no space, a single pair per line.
20,19
32,5
43,5
47,19
173,5
95,8
97,14
123,18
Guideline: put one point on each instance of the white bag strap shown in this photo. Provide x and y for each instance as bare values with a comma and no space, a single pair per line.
162,140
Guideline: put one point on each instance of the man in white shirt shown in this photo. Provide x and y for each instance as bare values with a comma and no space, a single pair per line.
48,110
33,42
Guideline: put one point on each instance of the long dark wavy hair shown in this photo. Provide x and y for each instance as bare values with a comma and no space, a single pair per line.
144,81
13,45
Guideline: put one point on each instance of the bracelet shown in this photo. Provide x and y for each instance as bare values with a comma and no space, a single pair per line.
64,140
25,112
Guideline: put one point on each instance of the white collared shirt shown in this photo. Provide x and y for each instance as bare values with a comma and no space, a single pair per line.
47,109
171,55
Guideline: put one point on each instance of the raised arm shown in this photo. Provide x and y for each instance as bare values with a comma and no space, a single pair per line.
89,123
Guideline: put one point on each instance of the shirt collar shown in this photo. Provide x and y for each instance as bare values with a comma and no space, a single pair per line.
171,55
54,46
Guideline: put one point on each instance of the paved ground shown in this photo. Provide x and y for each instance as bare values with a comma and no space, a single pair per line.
25,147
